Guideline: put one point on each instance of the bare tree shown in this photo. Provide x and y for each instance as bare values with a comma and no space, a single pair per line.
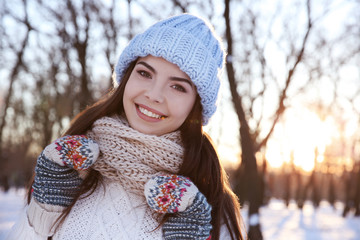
303,49
106,18
73,26
18,51
247,145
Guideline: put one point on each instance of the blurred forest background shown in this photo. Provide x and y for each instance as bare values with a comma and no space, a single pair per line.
286,59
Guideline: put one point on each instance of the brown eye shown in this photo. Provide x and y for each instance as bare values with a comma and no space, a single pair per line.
179,88
144,73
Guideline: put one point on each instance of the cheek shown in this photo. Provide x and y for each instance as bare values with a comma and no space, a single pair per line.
128,99
130,90
183,107
125,96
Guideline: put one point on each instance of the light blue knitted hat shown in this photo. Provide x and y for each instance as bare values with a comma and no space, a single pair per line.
190,43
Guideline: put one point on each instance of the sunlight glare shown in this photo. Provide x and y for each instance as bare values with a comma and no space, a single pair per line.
301,137
229,155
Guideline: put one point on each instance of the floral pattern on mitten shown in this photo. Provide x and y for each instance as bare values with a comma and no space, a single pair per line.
78,151
170,193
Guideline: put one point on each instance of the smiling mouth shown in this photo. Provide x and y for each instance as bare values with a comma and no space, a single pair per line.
149,113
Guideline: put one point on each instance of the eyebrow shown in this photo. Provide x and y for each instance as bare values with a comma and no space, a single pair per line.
147,66
179,79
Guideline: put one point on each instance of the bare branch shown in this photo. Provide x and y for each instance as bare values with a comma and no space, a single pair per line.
283,95
19,63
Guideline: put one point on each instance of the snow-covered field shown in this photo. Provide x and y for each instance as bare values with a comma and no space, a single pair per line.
277,221
11,205
323,223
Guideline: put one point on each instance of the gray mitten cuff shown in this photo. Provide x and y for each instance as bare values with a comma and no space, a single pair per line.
193,223
54,184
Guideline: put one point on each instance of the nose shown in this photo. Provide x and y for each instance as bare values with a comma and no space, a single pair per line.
155,93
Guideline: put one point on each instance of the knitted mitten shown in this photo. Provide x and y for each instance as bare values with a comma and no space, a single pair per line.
177,194
56,179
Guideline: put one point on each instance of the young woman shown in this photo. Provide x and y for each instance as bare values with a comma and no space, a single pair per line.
137,164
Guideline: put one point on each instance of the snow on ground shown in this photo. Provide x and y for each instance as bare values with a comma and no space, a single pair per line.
277,221
323,223
11,205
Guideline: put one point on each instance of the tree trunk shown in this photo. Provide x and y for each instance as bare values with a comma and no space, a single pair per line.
332,192
247,145
299,189
357,192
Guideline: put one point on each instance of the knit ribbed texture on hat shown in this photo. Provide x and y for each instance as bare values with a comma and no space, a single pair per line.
191,44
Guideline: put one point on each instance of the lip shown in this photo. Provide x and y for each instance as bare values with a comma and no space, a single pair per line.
147,118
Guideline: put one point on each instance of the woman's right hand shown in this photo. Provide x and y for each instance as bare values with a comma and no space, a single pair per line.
57,170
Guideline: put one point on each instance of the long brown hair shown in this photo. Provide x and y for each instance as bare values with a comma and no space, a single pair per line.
201,163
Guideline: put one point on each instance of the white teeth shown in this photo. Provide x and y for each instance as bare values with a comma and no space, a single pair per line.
148,113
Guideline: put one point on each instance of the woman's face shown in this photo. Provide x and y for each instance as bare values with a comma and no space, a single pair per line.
158,96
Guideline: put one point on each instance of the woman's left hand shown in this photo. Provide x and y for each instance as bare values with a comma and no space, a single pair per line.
191,213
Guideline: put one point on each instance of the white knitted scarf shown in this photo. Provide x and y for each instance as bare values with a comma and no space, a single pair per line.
131,157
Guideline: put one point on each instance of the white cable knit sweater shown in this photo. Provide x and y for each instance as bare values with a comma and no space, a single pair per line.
110,213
